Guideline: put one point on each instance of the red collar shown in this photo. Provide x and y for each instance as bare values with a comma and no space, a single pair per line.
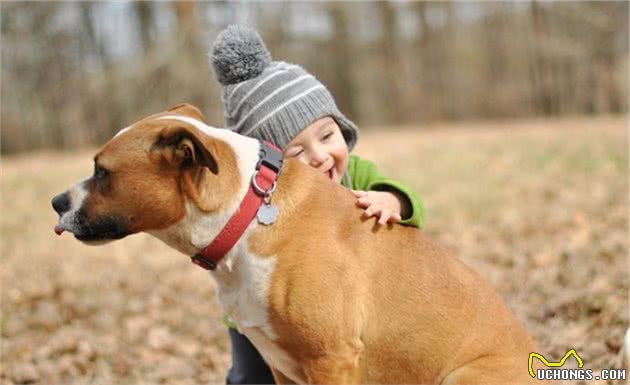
262,185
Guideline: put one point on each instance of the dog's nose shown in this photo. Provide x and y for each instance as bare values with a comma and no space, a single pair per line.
61,203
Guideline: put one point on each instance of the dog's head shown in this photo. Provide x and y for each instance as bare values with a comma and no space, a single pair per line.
145,175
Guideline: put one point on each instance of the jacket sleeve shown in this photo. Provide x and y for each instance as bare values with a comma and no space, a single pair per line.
365,176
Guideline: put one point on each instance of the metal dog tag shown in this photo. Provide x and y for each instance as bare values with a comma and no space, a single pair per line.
267,214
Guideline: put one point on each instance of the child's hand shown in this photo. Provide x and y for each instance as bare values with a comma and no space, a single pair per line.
380,204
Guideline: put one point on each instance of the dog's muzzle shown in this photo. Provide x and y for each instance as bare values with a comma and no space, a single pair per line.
75,221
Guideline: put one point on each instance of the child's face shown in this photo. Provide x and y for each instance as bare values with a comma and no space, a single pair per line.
321,145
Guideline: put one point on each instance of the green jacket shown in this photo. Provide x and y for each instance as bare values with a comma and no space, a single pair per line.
363,175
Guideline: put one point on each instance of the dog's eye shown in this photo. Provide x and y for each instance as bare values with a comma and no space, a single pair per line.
100,172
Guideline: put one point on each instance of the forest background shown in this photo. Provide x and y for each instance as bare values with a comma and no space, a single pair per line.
73,73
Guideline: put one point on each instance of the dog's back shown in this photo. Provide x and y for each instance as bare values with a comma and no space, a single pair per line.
406,309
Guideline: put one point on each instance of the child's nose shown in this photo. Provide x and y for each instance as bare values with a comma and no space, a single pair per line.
317,158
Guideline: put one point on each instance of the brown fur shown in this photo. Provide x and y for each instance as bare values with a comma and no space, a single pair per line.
355,302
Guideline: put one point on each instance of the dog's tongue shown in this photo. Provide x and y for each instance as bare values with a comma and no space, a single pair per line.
58,230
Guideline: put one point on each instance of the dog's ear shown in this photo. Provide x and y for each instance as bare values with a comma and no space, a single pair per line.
196,156
186,146
187,110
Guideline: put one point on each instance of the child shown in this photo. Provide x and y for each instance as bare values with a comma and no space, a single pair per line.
282,103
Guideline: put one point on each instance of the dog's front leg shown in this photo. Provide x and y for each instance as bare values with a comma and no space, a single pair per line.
279,377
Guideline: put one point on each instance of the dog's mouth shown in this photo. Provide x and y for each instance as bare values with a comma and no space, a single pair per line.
101,230
99,238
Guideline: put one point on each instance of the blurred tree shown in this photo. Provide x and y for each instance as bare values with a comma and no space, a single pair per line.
342,57
74,73
391,68
542,75
144,12
272,25
430,55
609,31
187,27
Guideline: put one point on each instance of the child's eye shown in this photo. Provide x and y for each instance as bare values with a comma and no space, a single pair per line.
326,137
295,154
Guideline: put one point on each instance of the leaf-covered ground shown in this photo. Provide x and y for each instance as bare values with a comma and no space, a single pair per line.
539,208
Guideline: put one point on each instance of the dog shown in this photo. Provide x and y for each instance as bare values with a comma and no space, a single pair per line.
325,296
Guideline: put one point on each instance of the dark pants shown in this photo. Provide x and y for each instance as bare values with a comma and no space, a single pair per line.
248,367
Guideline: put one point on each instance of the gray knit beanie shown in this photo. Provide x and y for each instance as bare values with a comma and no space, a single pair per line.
266,99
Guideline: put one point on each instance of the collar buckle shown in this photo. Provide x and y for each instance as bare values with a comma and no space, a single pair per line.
270,156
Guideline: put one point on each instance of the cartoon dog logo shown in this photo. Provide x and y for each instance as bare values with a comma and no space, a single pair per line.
548,364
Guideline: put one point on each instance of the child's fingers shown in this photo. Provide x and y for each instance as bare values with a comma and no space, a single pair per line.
385,216
364,202
394,218
371,211
359,193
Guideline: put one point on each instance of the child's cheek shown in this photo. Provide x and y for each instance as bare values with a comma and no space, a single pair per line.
303,160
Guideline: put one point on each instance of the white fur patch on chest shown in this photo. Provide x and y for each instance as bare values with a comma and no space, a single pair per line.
243,292
243,288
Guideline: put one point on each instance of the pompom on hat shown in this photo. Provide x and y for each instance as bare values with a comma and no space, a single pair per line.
239,54
266,99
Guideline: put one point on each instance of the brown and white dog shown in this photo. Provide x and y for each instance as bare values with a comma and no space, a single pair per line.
324,296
